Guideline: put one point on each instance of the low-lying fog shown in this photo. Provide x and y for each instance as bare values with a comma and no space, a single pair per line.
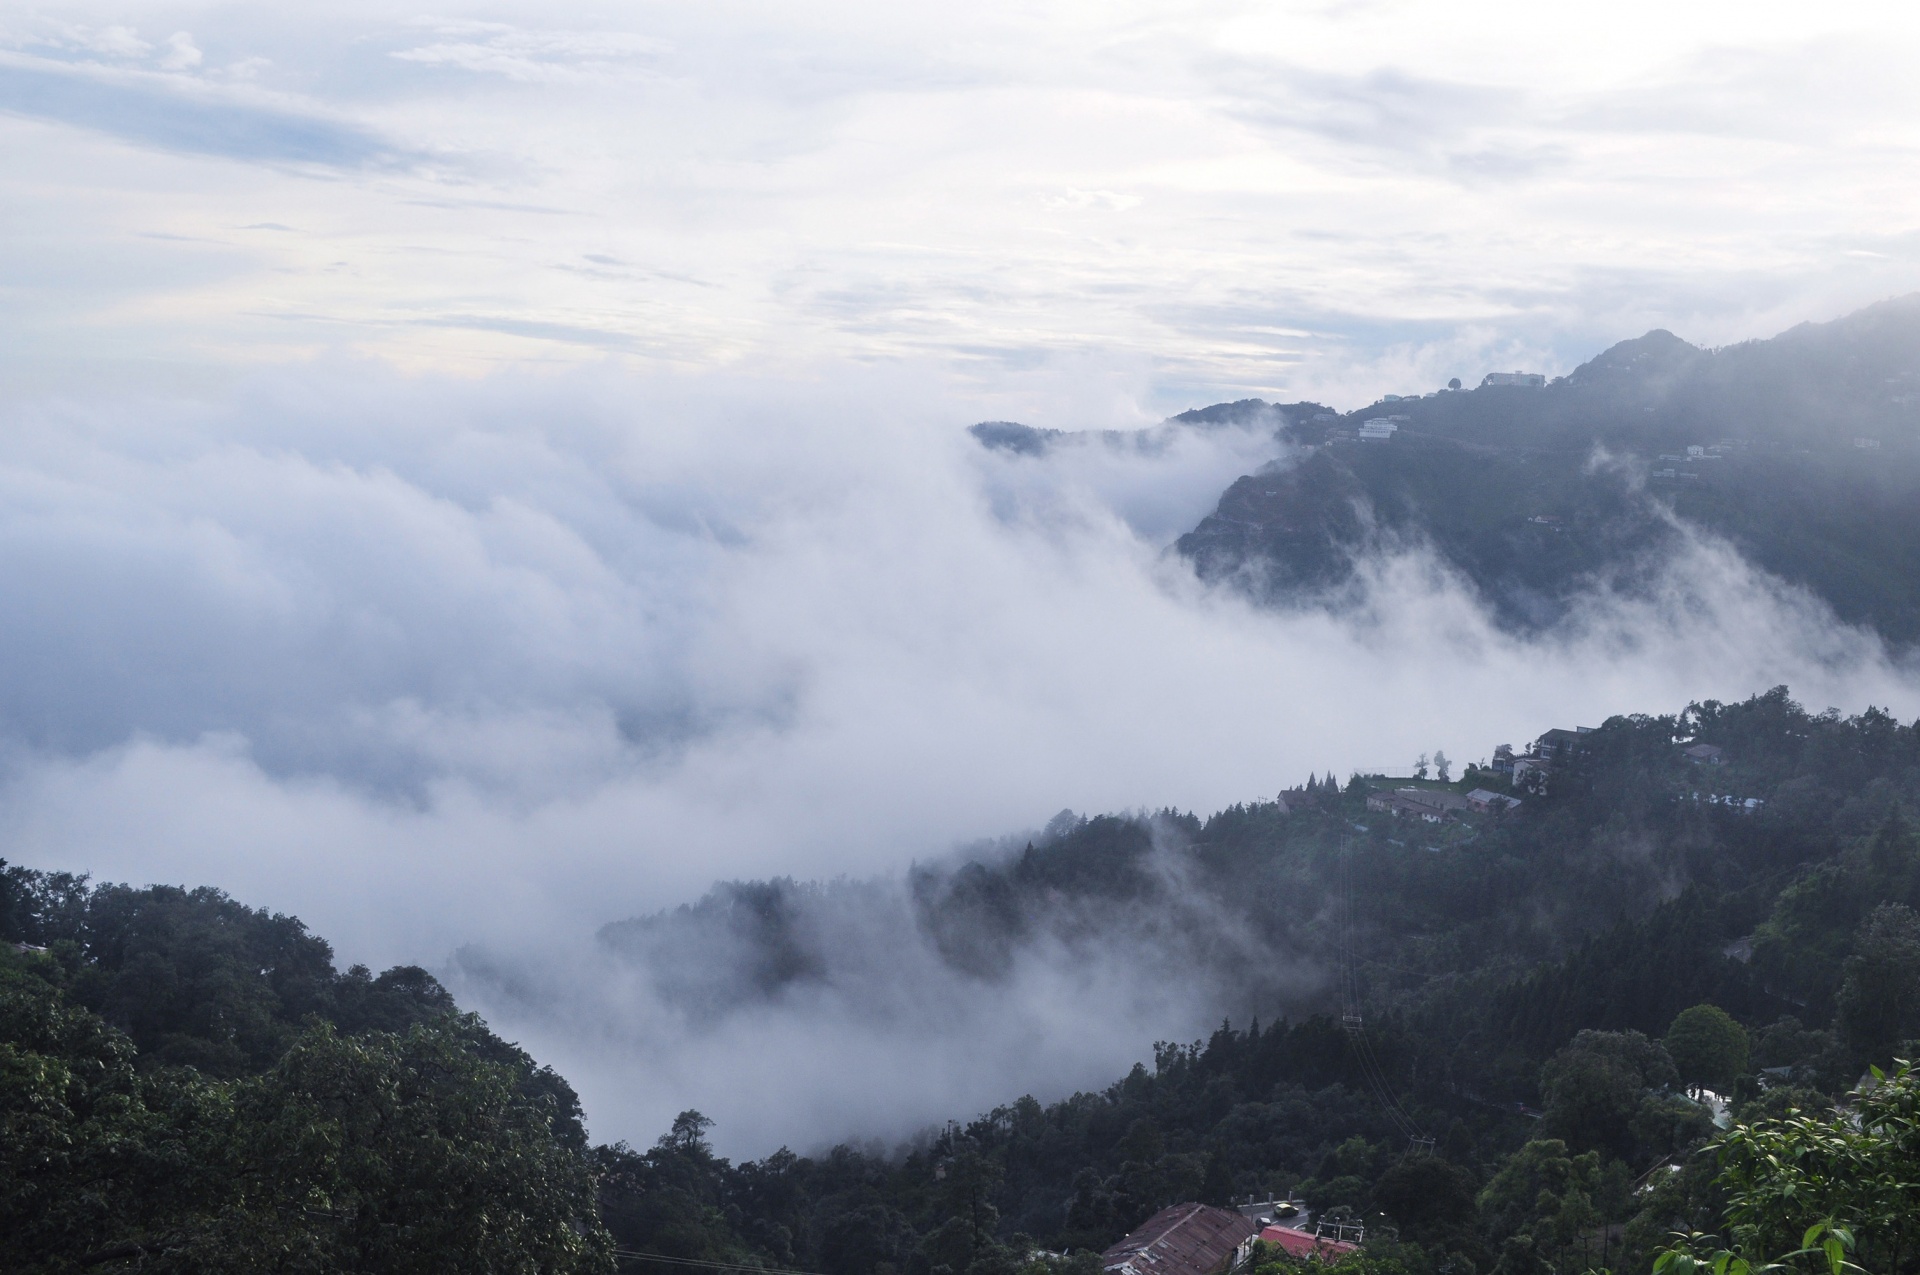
480,668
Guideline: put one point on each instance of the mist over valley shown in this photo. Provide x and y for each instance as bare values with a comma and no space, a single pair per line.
1176,639
867,649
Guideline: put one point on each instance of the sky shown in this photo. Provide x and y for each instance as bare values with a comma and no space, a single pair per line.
1075,210
468,476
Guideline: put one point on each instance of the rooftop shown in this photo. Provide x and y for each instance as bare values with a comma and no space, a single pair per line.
1306,1244
1182,1239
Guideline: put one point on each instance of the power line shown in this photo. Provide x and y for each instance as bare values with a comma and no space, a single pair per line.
1353,1018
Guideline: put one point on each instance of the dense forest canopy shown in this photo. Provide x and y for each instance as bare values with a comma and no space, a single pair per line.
1526,1022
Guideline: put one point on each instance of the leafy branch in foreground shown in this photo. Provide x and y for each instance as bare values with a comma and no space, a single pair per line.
1843,1184
1823,1249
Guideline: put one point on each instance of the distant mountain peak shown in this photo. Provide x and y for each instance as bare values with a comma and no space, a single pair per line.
1658,353
1013,437
1235,413
1016,439
1802,451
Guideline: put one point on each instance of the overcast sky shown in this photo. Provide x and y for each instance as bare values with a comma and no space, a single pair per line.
1173,202
473,475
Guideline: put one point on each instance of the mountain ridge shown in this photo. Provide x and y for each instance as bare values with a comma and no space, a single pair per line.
1802,451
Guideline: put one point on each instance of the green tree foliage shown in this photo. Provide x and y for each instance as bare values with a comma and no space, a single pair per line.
1803,944
1799,1055
1893,856
671,1200
1708,1048
1431,1201
1637,975
391,1153
1879,1000
1598,1086
198,979
1548,1197
95,1157
404,1153
1838,1183
188,1084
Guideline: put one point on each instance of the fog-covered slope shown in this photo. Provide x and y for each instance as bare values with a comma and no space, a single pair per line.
1808,463
1514,970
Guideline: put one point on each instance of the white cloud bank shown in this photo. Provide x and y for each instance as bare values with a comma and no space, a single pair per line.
433,663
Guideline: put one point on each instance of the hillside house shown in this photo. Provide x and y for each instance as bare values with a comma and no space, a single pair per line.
1482,800
1562,745
1377,430
1705,754
1182,1239
1298,1243
1431,804
1503,759
1530,773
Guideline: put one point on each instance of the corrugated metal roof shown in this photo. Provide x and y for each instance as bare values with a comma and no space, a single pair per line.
1183,1239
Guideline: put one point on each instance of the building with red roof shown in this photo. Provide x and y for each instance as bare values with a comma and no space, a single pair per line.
1306,1243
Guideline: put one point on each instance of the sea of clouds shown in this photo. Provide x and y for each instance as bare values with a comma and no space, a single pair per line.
477,667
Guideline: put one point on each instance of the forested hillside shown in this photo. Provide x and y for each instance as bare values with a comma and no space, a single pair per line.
189,1084
1539,990
1802,451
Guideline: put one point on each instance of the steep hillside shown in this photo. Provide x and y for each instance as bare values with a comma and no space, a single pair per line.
1803,451
1530,985
189,1084
1500,1070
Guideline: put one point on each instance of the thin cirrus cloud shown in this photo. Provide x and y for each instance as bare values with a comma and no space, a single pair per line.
1384,108
533,329
176,113
1012,191
492,48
